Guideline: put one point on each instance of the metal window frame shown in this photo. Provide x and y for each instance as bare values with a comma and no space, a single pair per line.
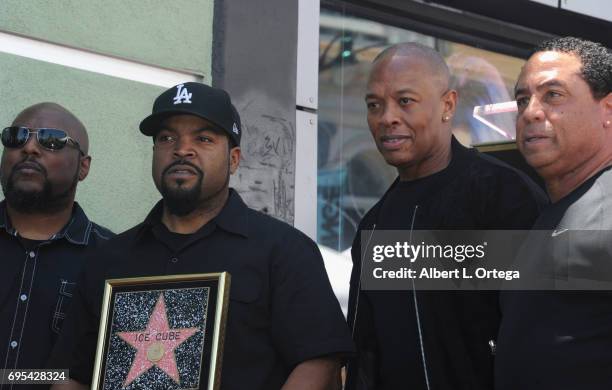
306,103
445,23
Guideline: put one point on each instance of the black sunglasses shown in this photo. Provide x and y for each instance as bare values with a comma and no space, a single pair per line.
50,139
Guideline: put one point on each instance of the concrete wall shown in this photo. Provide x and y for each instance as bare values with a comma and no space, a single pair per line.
174,34
255,59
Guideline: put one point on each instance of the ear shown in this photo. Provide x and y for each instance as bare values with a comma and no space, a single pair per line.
84,165
234,158
449,100
606,103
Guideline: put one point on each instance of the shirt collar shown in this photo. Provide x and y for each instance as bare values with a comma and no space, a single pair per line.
76,231
456,164
232,218
234,215
5,223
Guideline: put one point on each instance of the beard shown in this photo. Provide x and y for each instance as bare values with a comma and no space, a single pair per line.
180,200
44,201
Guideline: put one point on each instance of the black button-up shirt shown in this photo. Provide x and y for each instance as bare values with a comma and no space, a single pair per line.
282,310
36,286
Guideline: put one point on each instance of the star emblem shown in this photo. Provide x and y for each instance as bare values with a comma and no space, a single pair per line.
155,345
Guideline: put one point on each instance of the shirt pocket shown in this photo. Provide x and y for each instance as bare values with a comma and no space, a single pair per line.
244,288
246,307
64,296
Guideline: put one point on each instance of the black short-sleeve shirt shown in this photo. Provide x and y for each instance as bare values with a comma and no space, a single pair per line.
562,339
282,309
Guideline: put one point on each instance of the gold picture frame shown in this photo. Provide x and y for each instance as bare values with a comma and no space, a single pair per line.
167,330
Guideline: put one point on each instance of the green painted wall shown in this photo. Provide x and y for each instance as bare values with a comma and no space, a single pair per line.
173,34
119,190
176,35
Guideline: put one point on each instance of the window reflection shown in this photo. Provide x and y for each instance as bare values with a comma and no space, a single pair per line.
352,175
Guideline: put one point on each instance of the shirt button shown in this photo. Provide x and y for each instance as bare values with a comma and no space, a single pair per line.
23,297
174,260
32,254
14,344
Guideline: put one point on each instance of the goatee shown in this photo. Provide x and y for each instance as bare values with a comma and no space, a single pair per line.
181,201
43,201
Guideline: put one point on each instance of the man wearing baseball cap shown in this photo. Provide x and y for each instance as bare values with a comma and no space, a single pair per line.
284,327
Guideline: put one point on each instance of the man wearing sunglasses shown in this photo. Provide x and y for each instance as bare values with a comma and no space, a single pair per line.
44,234
284,327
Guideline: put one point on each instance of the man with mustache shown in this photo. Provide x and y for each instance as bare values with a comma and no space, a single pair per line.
563,339
424,340
44,234
285,328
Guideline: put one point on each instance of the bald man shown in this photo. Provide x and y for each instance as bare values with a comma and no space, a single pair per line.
423,340
44,234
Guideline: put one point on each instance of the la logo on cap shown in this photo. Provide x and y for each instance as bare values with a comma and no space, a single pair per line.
235,129
182,95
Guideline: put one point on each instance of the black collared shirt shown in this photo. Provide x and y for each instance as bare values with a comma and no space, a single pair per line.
282,309
36,286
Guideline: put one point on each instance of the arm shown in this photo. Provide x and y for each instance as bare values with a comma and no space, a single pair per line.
315,374
71,385
308,328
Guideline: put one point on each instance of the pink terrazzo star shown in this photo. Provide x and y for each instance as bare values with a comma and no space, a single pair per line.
155,345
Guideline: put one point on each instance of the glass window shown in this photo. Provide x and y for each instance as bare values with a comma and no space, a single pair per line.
352,175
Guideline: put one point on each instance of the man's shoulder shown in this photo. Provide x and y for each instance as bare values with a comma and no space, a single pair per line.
126,236
604,182
100,232
596,190
115,242
261,225
110,252
83,231
490,173
488,164
589,207
476,181
369,218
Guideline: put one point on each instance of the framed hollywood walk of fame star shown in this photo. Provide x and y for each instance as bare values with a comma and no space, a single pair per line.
162,332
